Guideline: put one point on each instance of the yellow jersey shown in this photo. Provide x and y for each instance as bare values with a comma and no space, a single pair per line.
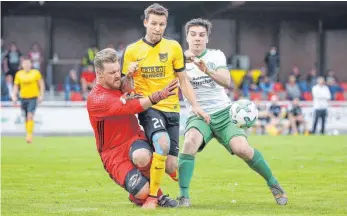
158,64
28,83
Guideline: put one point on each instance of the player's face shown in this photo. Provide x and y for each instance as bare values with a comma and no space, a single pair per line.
155,27
26,65
197,38
112,75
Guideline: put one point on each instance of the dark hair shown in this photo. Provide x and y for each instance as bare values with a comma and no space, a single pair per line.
199,22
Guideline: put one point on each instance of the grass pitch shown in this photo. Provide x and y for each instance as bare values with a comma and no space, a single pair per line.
64,176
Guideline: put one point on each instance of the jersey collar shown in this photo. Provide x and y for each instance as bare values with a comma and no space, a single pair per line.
149,43
202,54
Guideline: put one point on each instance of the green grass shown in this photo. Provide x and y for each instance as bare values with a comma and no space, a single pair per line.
64,176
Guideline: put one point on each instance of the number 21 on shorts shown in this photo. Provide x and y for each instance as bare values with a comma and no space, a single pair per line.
157,123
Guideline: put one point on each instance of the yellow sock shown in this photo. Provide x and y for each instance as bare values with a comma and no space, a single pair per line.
157,172
29,125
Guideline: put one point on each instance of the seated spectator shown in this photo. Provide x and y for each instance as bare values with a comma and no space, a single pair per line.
263,117
296,72
331,75
266,86
292,88
333,87
88,80
311,79
296,118
35,55
277,118
248,84
71,84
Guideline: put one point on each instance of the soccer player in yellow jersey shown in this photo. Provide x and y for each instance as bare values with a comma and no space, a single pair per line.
31,91
153,62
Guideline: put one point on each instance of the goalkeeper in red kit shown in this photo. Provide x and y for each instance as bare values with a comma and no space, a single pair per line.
121,144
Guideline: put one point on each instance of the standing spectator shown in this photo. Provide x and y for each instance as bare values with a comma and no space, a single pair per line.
35,55
272,60
321,96
88,58
13,60
292,88
311,78
120,49
88,80
266,86
296,72
71,84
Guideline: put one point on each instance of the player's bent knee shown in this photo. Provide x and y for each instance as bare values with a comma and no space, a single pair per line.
141,157
241,148
192,141
143,193
136,184
161,142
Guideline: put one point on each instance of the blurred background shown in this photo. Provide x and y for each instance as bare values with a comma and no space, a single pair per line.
272,48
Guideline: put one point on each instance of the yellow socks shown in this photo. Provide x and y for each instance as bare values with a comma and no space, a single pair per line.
29,125
157,172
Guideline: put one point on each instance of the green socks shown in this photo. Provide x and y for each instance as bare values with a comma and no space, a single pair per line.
259,165
185,173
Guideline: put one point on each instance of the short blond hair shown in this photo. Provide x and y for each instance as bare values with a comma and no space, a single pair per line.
156,9
199,22
107,55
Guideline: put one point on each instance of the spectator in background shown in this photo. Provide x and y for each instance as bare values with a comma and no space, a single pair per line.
321,96
333,87
88,80
296,72
120,49
266,86
296,118
278,122
331,75
35,55
292,88
5,92
263,117
3,54
88,58
248,84
71,84
13,60
311,78
272,60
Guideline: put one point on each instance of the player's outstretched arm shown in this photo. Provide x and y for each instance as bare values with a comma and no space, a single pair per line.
108,105
189,93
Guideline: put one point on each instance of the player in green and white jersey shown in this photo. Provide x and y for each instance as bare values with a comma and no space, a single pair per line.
208,74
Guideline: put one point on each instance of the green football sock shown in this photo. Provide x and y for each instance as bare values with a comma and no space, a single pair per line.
259,165
185,173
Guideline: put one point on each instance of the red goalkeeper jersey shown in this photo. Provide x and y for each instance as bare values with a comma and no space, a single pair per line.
114,123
